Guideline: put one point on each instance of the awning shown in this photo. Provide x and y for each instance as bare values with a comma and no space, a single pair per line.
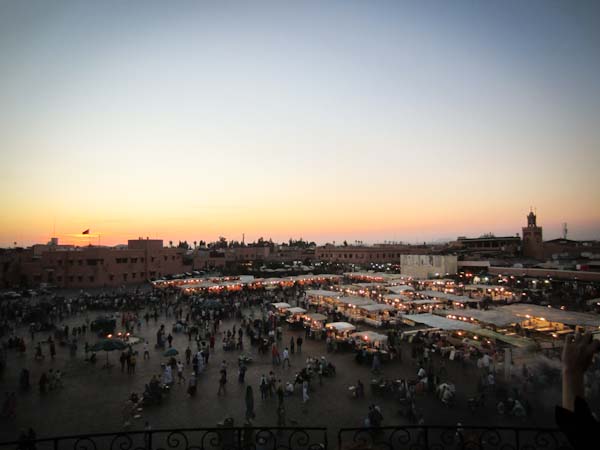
340,326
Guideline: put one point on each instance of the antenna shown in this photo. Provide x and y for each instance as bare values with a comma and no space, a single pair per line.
565,230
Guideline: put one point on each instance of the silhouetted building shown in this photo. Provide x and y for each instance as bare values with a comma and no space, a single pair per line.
533,245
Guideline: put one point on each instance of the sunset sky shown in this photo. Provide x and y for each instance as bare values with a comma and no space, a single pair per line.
335,120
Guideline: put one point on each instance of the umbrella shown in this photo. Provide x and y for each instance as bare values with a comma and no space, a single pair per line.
108,345
171,352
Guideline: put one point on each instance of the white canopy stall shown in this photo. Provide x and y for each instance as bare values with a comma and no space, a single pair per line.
369,338
340,330
376,314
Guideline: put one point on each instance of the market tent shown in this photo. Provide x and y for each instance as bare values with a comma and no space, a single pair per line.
494,316
316,317
553,314
355,301
281,305
396,298
443,323
340,326
400,289
422,302
296,310
474,287
369,336
515,341
322,293
376,307
449,297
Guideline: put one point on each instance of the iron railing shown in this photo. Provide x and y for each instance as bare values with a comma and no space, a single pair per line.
412,437
415,437
222,438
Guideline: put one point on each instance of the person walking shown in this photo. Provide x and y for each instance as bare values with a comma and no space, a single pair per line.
249,403
286,358
146,352
292,345
222,381
299,344
188,355
264,386
305,396
242,373
122,360
52,350
192,385
132,362
180,376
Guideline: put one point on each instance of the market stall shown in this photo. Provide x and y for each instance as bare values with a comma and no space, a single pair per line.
347,306
295,317
315,322
280,308
377,314
339,331
321,297
369,339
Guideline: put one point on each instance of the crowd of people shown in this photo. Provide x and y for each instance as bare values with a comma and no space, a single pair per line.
199,320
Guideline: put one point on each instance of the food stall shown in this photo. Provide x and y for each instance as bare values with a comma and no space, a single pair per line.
495,292
339,331
315,322
321,297
280,308
377,315
367,344
369,339
458,301
348,306
295,317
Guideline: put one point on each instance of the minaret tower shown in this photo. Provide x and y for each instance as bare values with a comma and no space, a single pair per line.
533,246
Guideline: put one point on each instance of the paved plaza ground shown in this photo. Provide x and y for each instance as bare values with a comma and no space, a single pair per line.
93,398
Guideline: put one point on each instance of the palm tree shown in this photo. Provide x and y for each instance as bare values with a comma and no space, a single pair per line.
195,244
171,244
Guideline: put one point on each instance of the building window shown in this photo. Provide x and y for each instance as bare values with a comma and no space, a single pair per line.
80,278
59,279
166,258
141,259
142,274
80,262
134,260
111,277
132,274
152,259
91,279
71,279
124,277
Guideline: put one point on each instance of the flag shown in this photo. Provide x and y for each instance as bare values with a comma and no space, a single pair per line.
86,231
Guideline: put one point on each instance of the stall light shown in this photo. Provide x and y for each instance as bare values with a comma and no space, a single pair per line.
109,336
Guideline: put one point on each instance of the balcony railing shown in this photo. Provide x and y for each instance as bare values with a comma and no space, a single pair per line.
298,438
459,438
